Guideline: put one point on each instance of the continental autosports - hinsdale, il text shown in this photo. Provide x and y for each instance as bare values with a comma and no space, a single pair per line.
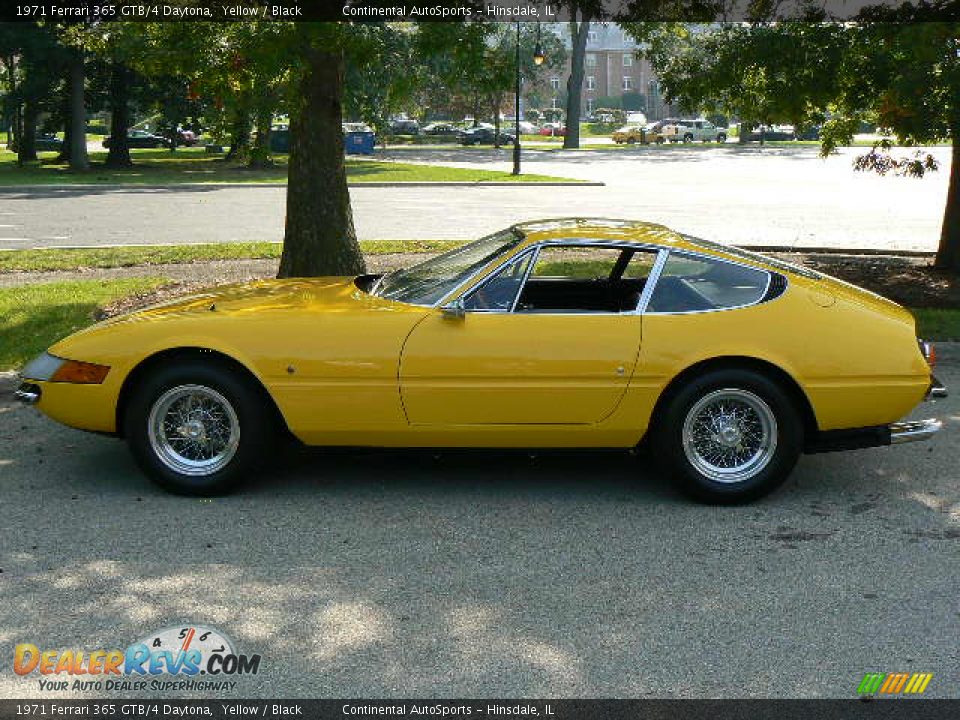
442,710
532,12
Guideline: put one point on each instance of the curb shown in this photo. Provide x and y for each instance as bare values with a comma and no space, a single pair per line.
377,183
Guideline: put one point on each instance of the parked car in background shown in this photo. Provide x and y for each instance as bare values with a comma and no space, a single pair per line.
628,134
142,139
483,136
654,133
404,127
188,137
810,133
689,130
46,142
526,127
772,133
553,129
440,128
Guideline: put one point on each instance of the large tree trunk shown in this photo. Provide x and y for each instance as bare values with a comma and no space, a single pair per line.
319,237
239,132
948,255
578,38
260,156
27,146
64,156
78,116
119,153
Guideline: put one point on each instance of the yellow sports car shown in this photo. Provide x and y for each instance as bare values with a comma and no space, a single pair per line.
560,333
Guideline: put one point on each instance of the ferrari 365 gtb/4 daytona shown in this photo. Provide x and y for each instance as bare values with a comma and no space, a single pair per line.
580,333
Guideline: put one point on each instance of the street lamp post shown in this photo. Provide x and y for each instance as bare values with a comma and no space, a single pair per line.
538,58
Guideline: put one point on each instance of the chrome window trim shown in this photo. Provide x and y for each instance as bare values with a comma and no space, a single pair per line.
663,255
705,256
660,258
467,294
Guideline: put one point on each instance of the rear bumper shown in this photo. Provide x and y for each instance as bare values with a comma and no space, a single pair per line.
937,389
876,436
914,430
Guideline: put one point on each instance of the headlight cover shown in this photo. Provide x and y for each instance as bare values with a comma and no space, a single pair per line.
42,367
51,368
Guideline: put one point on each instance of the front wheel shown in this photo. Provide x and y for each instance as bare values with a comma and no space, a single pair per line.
198,428
729,436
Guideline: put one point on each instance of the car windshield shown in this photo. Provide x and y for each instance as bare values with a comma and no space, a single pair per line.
428,282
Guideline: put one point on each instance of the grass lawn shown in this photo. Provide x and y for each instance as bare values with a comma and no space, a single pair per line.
194,165
131,255
937,323
33,317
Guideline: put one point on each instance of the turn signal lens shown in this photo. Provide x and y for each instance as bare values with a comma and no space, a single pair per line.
74,371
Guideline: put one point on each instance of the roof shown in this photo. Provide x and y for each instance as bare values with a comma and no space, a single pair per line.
601,229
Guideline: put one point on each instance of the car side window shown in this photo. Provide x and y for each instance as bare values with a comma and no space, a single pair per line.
579,278
698,284
498,293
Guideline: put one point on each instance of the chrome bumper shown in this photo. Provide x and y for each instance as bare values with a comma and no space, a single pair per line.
913,430
27,393
937,389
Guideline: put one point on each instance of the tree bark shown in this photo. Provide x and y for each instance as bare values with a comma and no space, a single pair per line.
578,37
319,238
948,254
27,146
239,132
260,153
119,151
78,116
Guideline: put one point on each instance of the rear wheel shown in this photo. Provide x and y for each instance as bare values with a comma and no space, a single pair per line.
729,436
688,138
721,138
198,428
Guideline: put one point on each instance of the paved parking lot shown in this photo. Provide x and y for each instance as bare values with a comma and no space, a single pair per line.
746,196
487,574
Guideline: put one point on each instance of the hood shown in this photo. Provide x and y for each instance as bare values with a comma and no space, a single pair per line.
262,296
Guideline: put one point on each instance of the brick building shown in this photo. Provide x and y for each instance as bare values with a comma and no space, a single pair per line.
612,71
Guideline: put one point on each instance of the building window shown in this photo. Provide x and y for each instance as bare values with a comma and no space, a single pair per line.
627,82
589,105
555,83
553,103
627,60
591,60
591,36
591,82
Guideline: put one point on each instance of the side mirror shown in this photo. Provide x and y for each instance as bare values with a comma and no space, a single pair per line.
454,311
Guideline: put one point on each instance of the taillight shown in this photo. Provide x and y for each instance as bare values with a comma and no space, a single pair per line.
929,352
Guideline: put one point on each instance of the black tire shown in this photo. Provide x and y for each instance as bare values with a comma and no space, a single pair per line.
688,138
721,138
256,429
685,406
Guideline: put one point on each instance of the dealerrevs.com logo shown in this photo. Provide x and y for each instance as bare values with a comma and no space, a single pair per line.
190,657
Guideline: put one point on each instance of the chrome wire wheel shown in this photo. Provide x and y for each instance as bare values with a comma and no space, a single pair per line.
730,435
193,430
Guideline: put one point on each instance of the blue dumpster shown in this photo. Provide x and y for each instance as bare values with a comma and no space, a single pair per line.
359,142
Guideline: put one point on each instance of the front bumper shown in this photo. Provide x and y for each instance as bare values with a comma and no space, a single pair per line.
28,393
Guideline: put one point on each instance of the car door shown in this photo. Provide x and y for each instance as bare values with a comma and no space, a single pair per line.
549,339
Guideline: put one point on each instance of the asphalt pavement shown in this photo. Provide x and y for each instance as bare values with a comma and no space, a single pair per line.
748,196
485,574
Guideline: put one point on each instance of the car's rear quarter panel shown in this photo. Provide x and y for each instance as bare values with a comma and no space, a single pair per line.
857,362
